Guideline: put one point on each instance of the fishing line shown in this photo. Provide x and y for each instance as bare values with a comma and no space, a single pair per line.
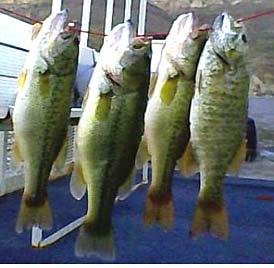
153,35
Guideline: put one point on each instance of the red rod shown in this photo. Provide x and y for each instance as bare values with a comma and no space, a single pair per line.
256,15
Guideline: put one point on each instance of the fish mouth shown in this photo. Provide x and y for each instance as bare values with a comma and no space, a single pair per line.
184,26
120,36
54,25
138,43
187,22
224,22
228,38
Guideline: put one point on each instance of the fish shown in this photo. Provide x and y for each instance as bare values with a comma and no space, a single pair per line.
41,113
109,133
218,120
167,116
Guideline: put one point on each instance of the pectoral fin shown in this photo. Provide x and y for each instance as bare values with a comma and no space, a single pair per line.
103,107
199,80
16,152
22,79
238,159
187,163
152,84
85,99
168,89
35,30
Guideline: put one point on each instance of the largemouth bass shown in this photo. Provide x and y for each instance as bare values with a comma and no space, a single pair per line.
218,120
109,133
167,116
41,113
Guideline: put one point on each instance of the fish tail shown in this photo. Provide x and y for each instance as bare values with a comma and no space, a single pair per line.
210,217
31,214
92,241
159,209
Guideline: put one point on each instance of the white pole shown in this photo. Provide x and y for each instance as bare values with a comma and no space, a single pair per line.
142,17
36,236
128,5
56,6
85,22
109,16
145,173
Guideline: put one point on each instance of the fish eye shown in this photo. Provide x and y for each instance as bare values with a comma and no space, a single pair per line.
244,38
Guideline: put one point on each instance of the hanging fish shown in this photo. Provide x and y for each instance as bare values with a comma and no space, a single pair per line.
109,133
167,115
41,113
218,121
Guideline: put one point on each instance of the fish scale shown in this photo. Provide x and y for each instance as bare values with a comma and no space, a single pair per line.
167,115
109,133
218,119
41,114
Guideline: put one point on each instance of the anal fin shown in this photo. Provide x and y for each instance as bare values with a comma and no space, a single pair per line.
77,183
60,168
238,159
142,155
187,163
125,188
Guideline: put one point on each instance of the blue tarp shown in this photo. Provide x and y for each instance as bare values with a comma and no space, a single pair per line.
251,215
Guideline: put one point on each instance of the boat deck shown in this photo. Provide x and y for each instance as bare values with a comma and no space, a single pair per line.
250,205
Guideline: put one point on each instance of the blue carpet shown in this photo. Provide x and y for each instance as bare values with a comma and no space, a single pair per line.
249,202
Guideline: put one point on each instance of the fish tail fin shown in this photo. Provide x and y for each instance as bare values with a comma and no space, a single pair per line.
210,216
159,209
30,215
94,242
